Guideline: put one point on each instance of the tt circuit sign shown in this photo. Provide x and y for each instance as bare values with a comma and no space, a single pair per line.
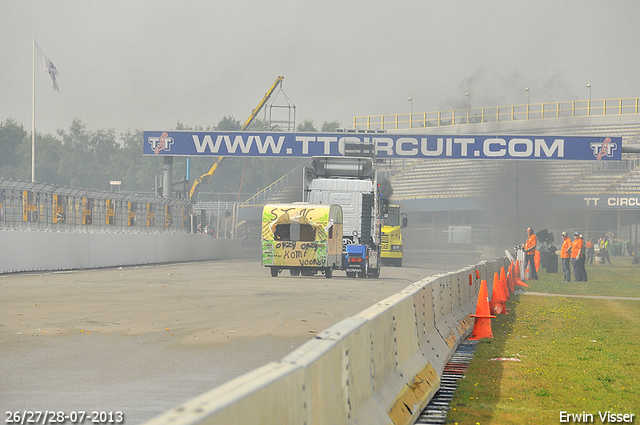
238,143
611,201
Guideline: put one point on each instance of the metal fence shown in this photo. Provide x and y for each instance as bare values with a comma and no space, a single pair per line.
218,218
533,111
39,206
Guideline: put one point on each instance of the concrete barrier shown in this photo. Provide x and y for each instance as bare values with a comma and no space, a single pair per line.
24,250
274,394
379,367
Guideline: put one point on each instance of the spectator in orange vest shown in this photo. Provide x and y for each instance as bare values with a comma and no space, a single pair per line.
582,260
590,251
530,253
577,253
565,256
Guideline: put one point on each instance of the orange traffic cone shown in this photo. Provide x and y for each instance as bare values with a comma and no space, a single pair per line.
482,322
503,281
516,277
497,304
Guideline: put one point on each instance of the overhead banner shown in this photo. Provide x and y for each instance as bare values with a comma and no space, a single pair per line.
395,146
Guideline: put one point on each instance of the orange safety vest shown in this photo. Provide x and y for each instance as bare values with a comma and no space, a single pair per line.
530,246
589,244
577,246
564,251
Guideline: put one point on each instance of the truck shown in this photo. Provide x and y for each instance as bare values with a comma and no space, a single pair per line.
391,250
351,183
302,238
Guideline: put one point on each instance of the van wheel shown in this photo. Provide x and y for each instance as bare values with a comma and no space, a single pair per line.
294,272
274,272
328,273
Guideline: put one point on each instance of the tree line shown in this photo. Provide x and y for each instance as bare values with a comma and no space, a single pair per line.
90,159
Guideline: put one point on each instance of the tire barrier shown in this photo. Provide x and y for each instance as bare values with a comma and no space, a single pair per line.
381,366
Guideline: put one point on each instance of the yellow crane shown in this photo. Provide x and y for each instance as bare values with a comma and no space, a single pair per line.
206,178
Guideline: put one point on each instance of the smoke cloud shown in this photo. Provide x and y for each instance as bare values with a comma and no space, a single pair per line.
385,187
515,198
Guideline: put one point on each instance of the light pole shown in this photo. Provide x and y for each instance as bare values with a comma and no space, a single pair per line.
528,100
410,99
468,105
589,104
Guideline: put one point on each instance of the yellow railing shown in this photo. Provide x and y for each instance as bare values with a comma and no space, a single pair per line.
533,111
274,187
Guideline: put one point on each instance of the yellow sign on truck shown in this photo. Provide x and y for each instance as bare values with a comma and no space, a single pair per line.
302,238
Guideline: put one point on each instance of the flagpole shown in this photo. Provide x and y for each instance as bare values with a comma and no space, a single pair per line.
33,116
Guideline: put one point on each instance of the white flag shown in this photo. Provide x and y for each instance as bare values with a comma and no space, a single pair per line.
44,64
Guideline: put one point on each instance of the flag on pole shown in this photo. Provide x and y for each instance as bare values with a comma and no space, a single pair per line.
44,64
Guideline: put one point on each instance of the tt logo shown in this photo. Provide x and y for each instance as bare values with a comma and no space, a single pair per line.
162,143
605,148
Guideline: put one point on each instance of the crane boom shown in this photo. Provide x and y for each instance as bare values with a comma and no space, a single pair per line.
264,100
206,178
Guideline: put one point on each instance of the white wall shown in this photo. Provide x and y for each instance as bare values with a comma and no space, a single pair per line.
24,250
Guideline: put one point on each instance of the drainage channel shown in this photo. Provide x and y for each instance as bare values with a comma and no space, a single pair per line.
436,410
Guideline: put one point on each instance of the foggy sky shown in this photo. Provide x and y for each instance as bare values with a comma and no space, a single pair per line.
148,64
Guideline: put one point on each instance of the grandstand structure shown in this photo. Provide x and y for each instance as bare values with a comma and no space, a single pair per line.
442,178
499,199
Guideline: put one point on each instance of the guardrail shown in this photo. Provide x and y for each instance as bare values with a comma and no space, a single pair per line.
39,206
533,111
381,366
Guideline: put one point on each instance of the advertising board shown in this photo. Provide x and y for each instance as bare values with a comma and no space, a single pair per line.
395,146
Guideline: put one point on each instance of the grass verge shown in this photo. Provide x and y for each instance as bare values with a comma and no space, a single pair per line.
621,279
574,355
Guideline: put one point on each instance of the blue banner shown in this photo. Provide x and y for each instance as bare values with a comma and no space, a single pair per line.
395,146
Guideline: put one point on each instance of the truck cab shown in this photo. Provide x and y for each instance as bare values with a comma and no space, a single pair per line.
391,250
351,182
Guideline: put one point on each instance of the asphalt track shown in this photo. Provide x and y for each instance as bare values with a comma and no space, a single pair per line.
141,340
